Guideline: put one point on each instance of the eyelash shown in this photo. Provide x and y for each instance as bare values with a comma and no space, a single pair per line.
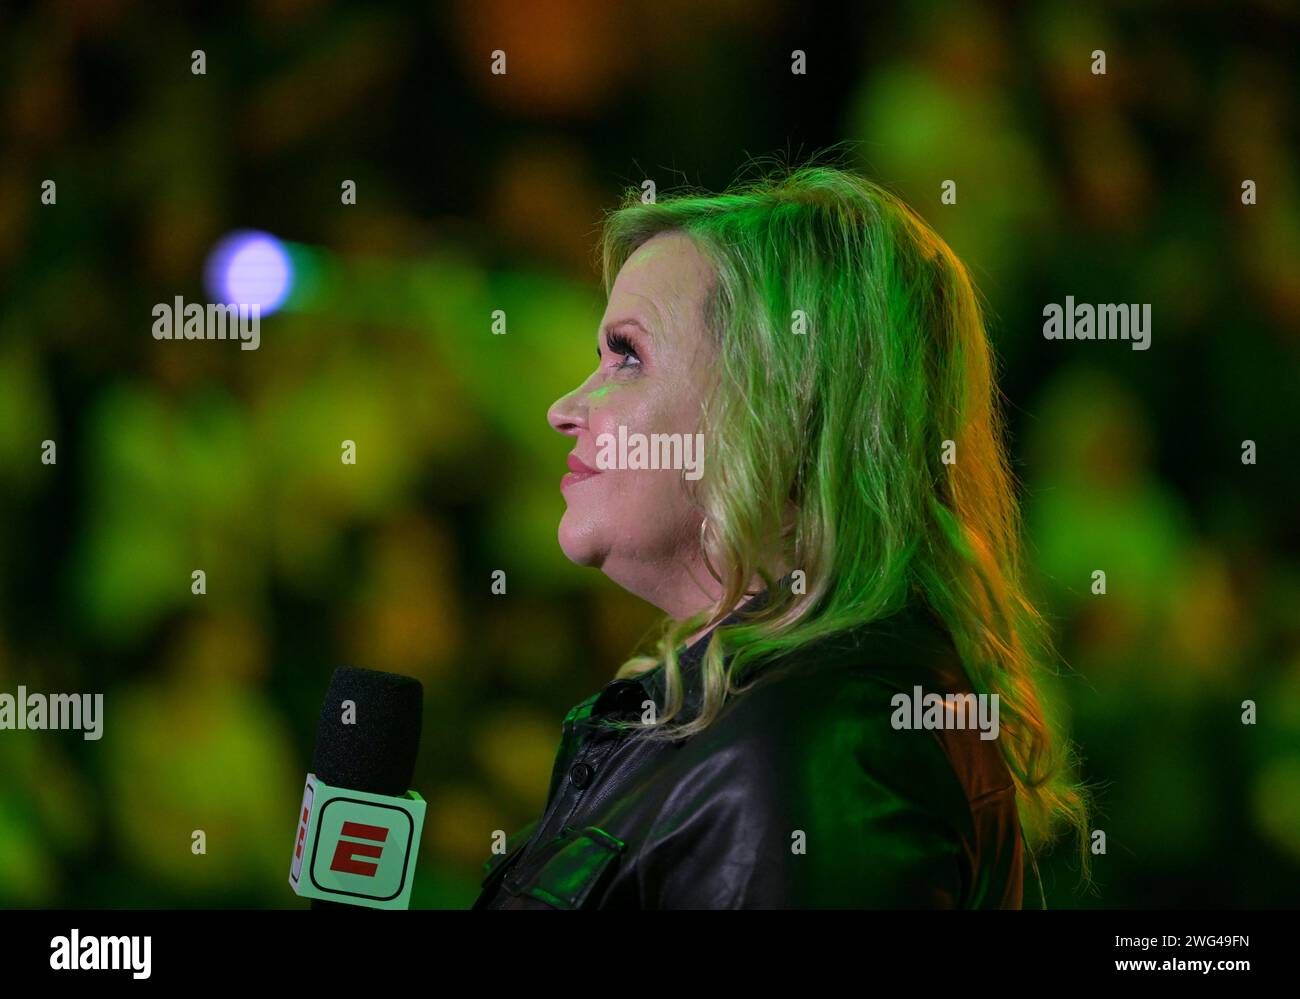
620,344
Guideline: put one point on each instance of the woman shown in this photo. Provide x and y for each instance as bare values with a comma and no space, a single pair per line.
838,573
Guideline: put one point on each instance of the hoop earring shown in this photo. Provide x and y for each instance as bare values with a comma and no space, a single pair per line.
704,551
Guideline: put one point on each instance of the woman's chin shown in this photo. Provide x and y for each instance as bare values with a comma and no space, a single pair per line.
578,546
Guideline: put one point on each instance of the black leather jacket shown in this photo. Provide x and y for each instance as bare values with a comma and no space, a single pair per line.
801,794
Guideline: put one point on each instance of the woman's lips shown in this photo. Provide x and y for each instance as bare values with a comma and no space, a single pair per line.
578,470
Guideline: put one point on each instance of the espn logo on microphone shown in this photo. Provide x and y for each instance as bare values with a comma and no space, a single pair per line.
364,841
356,847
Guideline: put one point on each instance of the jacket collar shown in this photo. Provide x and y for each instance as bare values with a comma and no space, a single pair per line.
652,683
876,643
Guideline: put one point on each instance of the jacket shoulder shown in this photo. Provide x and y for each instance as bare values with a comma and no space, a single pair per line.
854,693
820,800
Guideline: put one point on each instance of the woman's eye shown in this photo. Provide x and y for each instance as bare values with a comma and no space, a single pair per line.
621,345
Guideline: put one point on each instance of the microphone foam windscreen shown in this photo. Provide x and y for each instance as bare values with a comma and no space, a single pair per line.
370,745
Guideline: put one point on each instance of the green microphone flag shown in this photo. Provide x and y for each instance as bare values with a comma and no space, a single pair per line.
356,848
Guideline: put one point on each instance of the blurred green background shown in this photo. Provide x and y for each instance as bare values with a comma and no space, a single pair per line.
478,192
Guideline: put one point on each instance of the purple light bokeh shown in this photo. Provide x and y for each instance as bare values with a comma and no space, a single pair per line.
249,268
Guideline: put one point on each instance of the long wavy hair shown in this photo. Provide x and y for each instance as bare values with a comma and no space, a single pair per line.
854,422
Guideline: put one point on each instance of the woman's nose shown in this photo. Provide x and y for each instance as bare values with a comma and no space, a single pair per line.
568,414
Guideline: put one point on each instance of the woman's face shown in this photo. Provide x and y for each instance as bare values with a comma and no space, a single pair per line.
655,365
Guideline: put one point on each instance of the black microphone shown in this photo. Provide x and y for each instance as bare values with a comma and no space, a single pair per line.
359,827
